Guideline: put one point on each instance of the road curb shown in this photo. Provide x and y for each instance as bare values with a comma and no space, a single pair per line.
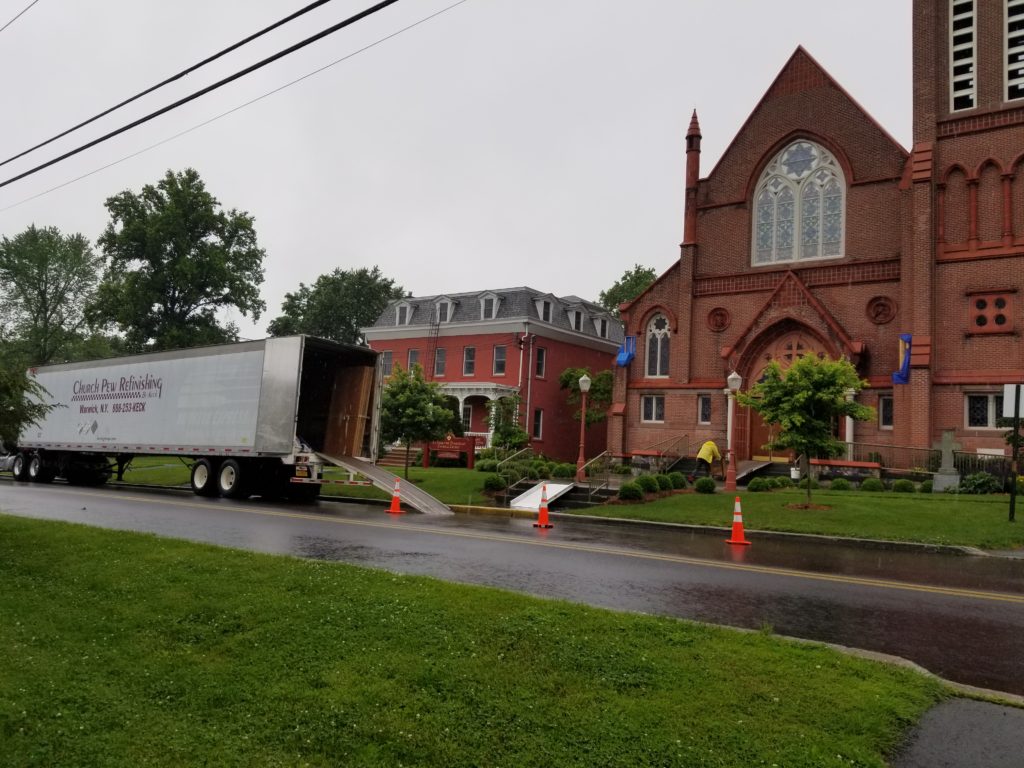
884,544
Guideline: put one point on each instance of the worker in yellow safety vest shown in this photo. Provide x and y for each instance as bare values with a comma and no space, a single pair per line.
708,453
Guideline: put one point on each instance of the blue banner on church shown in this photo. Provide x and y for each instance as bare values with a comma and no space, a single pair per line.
902,376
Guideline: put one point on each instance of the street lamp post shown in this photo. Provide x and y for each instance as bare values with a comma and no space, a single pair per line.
581,476
734,381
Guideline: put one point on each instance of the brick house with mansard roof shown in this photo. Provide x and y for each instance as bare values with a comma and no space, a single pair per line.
816,232
484,345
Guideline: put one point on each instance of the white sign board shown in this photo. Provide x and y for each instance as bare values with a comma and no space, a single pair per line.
1008,390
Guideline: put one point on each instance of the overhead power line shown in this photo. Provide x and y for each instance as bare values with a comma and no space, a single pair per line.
5,26
171,79
203,91
231,111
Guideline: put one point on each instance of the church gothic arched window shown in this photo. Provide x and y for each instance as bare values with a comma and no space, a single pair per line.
657,346
799,206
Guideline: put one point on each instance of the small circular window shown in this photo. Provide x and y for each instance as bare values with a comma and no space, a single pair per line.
980,304
1000,319
981,321
1000,303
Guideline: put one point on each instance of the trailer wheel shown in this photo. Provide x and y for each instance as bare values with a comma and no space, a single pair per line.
204,478
40,471
231,480
20,467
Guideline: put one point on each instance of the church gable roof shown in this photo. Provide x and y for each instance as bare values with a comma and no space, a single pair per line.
804,100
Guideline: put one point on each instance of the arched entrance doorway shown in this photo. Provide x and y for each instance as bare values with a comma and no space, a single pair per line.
784,346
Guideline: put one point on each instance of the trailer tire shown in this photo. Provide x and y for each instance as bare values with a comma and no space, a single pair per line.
204,478
20,467
40,471
232,481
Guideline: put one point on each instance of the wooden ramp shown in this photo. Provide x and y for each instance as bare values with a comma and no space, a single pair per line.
380,477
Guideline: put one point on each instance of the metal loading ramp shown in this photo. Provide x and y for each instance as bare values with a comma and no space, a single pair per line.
380,477
531,499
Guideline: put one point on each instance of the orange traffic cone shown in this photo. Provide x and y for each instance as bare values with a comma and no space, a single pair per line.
737,525
542,513
396,502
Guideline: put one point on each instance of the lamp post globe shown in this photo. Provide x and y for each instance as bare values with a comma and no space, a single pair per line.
581,476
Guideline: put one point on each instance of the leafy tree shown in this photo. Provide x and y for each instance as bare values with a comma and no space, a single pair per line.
175,259
413,409
506,432
337,305
806,401
46,280
632,283
21,398
599,398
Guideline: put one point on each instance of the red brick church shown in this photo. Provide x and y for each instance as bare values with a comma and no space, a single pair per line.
818,233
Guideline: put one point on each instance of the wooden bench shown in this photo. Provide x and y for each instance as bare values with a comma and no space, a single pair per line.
844,468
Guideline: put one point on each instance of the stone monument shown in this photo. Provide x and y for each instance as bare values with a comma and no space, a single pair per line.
947,476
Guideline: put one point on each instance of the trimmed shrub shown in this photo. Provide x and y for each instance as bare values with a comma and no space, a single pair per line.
532,474
904,486
664,482
759,484
980,482
678,479
781,482
631,492
493,484
840,484
623,469
926,486
872,484
803,484
486,465
488,453
648,482
704,485
563,471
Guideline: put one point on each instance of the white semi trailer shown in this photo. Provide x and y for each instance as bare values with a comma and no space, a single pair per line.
257,417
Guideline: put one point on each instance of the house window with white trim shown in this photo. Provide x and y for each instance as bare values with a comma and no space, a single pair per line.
576,320
467,418
799,206
538,423
542,359
488,307
1014,49
703,409
962,55
414,358
499,360
544,310
444,311
439,362
601,326
652,409
386,362
469,361
885,412
657,347
982,411
403,314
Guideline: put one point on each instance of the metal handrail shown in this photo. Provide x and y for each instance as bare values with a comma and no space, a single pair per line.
599,457
515,455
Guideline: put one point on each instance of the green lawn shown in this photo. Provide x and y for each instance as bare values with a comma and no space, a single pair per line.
127,649
978,521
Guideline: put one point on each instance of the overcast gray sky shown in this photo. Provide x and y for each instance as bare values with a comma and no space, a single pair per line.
502,143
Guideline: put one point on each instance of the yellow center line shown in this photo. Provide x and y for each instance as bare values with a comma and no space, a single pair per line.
573,546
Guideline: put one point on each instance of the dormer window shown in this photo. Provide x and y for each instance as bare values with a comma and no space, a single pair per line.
544,310
444,311
489,306
576,319
404,314
601,326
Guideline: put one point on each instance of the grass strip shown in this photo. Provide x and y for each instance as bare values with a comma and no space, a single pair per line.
972,521
128,649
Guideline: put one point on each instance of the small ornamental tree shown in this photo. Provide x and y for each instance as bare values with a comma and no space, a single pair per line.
507,433
21,403
806,400
413,409
599,398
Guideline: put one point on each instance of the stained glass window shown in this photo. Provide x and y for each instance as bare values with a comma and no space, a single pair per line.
657,346
799,206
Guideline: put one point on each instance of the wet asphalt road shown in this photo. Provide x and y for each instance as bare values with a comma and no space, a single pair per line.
959,616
